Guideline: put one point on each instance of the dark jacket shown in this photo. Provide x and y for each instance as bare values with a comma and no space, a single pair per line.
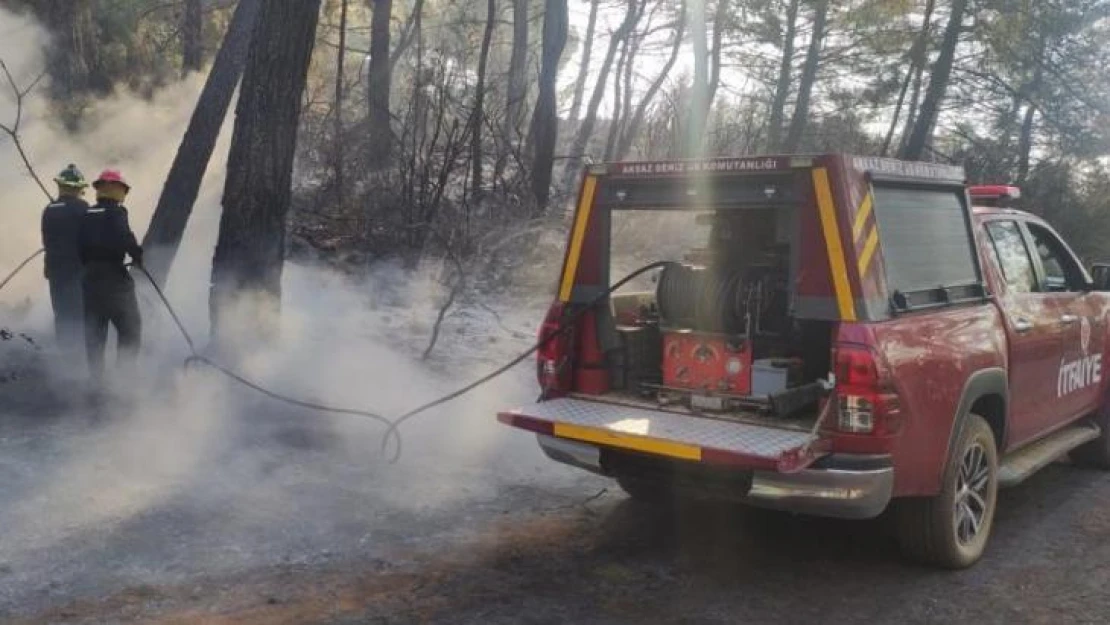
61,227
106,236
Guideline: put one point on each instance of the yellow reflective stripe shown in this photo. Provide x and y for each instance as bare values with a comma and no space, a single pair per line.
582,218
837,264
862,214
628,441
868,251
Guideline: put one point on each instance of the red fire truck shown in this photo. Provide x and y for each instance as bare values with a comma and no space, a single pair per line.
836,336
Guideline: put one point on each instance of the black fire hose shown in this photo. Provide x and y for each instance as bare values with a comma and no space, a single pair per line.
393,426
563,328
18,269
393,429
196,357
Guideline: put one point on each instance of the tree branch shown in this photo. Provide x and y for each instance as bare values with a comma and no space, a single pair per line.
13,130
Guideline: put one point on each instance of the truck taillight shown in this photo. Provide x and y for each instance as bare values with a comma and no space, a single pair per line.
866,402
553,369
856,415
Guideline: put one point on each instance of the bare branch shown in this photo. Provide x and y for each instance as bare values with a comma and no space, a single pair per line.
456,289
13,130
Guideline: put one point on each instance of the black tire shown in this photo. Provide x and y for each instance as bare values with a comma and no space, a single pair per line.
1095,454
647,491
934,530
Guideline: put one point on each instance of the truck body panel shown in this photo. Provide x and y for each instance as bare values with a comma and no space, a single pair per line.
921,309
933,355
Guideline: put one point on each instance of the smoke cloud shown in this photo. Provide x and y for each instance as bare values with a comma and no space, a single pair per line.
174,436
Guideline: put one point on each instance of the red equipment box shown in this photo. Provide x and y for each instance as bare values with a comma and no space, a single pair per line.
708,362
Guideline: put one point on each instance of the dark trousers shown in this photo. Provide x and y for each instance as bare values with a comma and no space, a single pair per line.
110,299
66,298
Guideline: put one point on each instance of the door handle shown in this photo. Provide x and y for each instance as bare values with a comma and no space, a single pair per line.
1068,319
1021,326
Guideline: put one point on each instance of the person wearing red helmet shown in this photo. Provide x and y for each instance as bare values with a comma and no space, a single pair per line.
109,291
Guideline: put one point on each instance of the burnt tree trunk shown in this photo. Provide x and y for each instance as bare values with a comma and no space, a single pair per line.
586,128
339,140
250,249
938,86
408,34
478,116
809,77
632,129
518,65
626,106
545,119
1025,143
624,62
517,90
699,90
192,37
175,205
1028,124
584,68
913,76
915,90
84,48
73,56
379,85
720,23
782,85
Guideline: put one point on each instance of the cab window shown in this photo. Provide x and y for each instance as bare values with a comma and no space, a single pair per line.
1061,274
1012,255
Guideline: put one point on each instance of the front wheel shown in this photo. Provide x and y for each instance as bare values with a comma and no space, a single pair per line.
951,530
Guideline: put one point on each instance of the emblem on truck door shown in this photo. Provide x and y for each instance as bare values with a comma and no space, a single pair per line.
1084,372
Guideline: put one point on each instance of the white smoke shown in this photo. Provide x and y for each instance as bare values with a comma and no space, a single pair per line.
345,341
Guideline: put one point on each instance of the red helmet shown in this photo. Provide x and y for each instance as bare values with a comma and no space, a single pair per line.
110,175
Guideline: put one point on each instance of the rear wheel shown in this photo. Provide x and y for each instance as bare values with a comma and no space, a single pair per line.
648,491
951,530
1095,454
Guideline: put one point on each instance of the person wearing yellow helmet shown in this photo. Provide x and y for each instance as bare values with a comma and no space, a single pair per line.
61,224
109,291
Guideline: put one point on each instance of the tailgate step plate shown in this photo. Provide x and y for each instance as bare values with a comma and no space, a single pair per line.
657,432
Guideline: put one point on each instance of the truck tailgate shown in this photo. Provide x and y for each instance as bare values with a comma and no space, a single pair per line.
670,434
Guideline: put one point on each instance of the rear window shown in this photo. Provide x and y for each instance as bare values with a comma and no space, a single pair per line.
925,237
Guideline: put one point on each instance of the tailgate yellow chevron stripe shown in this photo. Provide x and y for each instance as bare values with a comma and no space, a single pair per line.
837,264
868,251
628,441
861,217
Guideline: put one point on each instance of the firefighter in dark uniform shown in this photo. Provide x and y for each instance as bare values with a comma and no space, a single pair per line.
61,223
109,290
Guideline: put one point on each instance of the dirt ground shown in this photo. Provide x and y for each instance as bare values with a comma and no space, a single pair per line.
615,563
548,551
263,515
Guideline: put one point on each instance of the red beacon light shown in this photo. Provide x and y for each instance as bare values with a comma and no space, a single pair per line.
1001,195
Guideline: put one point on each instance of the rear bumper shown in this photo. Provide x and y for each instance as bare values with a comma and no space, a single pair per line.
840,493
847,487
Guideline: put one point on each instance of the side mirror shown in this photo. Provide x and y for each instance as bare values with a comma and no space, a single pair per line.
1100,277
